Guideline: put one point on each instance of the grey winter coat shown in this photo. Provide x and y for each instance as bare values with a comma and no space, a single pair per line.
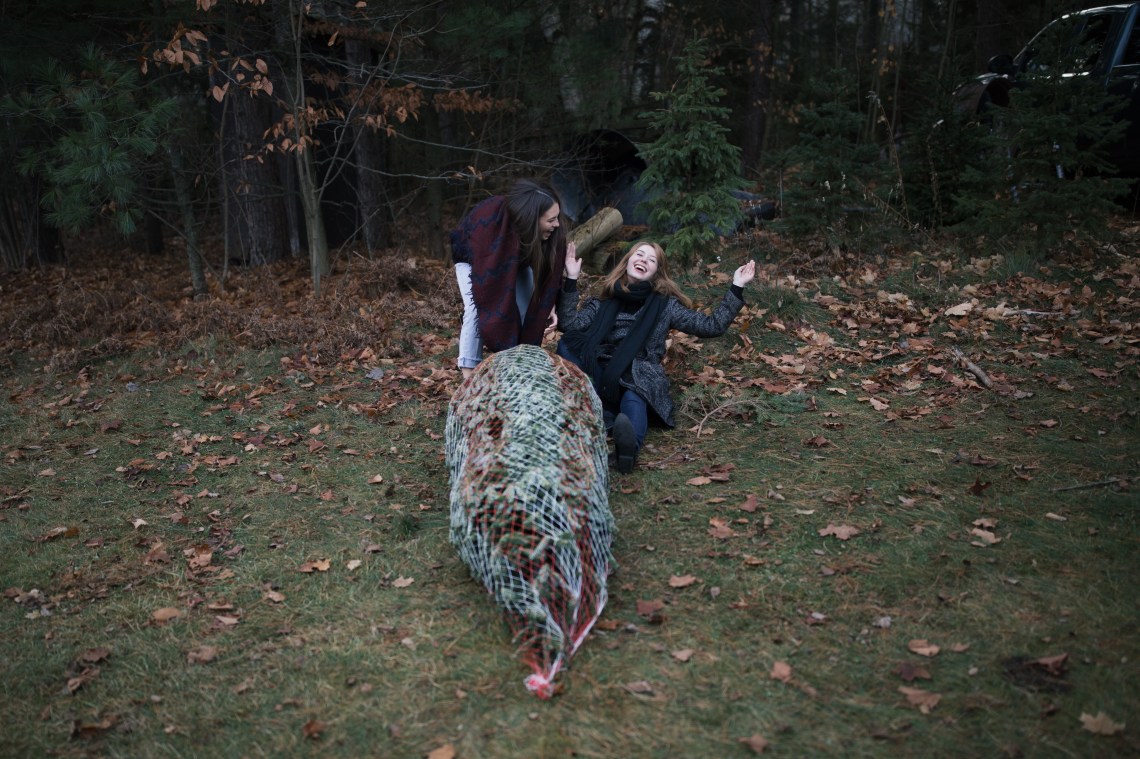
648,375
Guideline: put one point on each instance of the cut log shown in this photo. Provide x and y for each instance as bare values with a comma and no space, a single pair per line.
589,236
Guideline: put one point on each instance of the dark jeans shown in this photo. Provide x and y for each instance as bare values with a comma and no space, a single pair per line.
632,404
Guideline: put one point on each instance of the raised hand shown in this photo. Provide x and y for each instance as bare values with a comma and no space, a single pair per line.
744,274
573,267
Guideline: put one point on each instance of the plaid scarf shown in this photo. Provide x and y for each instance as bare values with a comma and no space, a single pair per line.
486,240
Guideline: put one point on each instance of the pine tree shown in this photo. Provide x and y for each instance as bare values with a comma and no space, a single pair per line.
692,169
96,137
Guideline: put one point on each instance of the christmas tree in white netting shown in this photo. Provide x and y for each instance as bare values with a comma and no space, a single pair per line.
530,516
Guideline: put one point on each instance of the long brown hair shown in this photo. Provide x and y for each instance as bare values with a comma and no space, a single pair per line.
527,201
661,282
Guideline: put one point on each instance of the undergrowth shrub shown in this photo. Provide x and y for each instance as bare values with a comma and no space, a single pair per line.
1031,176
783,303
829,174
1036,173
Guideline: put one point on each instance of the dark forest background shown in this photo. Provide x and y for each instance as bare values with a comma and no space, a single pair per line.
297,128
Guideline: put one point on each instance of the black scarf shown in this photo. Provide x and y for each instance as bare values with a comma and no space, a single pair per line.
586,344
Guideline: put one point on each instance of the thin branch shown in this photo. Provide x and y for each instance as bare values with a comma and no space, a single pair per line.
721,407
973,369
1089,485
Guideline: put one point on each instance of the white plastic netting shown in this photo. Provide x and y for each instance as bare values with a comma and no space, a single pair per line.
526,450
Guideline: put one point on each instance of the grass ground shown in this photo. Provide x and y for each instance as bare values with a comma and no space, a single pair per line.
849,546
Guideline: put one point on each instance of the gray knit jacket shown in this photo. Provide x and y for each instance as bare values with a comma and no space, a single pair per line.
647,373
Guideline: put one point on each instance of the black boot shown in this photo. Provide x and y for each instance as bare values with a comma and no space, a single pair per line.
625,444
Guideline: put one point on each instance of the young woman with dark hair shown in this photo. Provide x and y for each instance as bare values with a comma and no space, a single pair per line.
618,338
509,254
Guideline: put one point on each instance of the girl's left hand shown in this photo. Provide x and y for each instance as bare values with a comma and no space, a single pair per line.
573,267
744,274
552,323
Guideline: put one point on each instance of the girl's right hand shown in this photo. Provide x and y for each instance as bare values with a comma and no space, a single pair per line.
573,266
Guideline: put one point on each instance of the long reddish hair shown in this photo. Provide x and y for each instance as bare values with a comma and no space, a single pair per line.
662,283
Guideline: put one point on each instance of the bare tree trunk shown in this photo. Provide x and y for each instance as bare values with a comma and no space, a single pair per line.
872,52
251,191
988,33
434,157
189,226
948,45
370,153
24,236
645,50
833,25
760,60
319,265
793,37
308,187
555,34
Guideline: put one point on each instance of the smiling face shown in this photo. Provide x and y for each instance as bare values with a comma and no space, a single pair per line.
548,221
642,264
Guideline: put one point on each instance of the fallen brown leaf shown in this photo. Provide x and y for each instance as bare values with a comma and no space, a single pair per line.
751,503
985,537
924,700
755,742
1054,665
649,608
84,677
202,655
843,531
165,614
909,672
1101,724
682,581
93,655
199,557
720,529
93,729
921,647
58,532
781,671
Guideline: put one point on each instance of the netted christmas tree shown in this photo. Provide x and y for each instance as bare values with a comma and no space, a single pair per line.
526,450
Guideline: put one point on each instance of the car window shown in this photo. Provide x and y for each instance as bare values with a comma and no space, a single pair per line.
1088,48
1072,43
1132,47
